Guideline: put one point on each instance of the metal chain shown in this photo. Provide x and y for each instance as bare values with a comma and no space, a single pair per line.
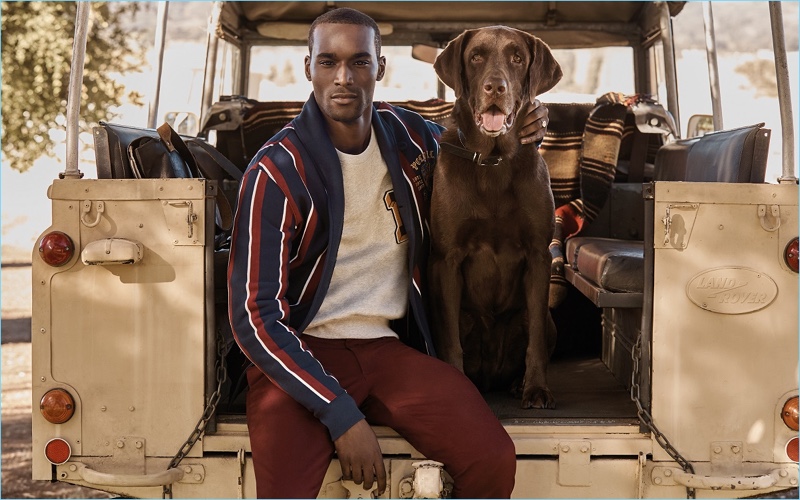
208,412
647,419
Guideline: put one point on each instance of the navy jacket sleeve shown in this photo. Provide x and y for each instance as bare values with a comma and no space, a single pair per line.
258,275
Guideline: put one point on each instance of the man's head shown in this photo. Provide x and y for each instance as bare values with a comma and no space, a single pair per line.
343,64
345,15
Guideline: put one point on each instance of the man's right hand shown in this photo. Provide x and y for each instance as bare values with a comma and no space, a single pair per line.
361,457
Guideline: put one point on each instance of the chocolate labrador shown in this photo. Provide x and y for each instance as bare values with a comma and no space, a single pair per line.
492,216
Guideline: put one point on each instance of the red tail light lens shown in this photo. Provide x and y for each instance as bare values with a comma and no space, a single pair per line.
789,413
790,255
56,248
791,449
57,451
57,406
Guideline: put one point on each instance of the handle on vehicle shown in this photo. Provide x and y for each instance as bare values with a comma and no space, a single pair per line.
699,482
161,478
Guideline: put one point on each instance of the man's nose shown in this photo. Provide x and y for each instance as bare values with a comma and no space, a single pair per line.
343,75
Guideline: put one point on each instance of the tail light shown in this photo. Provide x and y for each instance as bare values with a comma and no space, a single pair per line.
789,414
56,248
57,406
790,254
791,449
57,451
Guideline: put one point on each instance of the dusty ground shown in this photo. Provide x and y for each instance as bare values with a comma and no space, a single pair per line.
16,394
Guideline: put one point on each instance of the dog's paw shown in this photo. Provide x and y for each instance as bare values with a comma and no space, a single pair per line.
538,397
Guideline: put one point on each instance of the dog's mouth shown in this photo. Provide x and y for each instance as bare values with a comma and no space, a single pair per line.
494,121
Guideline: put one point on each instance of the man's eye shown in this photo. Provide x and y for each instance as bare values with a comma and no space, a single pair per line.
362,63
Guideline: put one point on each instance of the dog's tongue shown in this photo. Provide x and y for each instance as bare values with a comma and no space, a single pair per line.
493,120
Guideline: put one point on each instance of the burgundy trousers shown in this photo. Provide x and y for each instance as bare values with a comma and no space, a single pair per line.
432,405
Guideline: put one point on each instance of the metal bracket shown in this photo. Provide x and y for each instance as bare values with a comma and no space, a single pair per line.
86,207
240,480
773,213
574,463
192,473
726,458
676,226
191,217
129,451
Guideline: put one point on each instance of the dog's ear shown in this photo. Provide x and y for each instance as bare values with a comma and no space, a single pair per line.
544,72
449,64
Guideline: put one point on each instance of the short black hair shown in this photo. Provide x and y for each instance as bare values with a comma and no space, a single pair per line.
345,15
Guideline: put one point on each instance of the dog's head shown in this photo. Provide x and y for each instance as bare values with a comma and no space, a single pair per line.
497,70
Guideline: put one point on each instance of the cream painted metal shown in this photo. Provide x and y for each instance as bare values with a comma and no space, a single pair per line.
129,340
725,324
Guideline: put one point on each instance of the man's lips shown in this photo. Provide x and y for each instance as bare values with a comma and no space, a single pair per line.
344,98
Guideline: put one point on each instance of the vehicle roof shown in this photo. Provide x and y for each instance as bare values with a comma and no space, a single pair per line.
560,24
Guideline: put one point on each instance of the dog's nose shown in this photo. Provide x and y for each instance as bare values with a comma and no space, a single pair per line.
495,86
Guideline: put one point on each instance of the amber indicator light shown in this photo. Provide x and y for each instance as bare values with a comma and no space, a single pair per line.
789,413
57,406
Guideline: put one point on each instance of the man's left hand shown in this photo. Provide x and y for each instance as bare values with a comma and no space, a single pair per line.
534,124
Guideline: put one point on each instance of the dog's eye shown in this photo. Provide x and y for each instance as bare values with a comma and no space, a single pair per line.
476,58
517,59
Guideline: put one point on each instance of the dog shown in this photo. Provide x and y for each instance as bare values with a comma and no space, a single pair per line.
492,216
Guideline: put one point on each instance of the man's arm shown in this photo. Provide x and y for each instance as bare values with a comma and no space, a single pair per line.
258,277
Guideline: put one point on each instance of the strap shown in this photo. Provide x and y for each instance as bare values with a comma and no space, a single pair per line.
174,142
638,156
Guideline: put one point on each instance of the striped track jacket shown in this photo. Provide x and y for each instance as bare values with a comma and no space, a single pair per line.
285,238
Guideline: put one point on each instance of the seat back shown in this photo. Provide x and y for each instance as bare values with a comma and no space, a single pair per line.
736,155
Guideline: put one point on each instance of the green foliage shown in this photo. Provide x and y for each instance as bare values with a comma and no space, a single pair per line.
37,52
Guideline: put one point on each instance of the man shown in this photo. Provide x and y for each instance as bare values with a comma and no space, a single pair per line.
326,284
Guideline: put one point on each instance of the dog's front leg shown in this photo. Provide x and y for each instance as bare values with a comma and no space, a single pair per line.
535,393
446,286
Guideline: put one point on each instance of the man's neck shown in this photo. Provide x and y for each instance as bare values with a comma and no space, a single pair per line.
350,137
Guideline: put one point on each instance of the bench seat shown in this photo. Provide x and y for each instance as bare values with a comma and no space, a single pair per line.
610,272
607,271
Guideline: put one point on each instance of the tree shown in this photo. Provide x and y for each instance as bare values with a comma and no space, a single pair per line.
37,52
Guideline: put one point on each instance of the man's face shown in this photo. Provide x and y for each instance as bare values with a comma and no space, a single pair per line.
343,68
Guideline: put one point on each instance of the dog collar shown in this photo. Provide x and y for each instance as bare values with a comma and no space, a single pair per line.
477,158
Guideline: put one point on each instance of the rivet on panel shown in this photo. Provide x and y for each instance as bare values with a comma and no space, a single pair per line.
187,469
198,477
717,449
103,408
42,330
565,449
735,449
63,475
657,480
668,473
131,408
73,467
120,444
43,379
139,445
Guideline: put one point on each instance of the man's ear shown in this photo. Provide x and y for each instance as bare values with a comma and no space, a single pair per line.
308,67
381,68
449,66
544,72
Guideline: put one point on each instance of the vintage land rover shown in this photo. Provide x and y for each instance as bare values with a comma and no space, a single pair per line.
676,272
